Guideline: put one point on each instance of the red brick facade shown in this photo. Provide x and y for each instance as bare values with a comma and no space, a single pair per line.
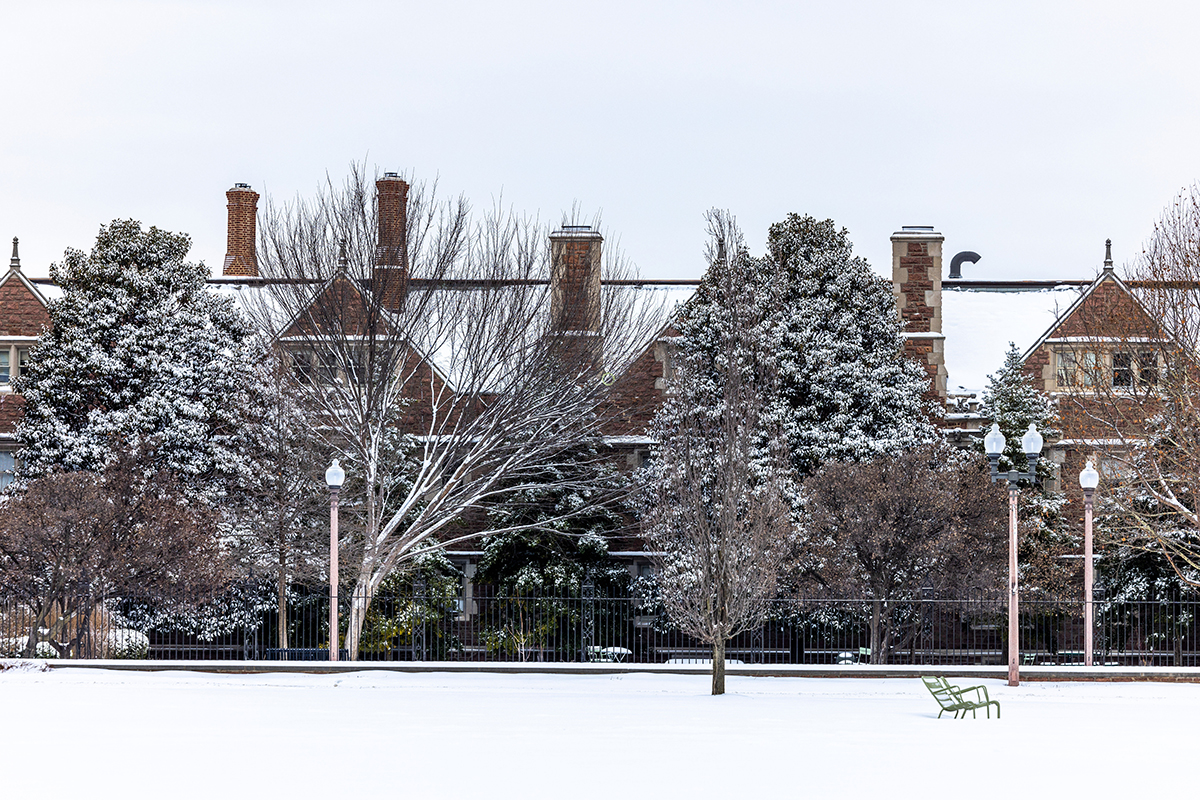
22,313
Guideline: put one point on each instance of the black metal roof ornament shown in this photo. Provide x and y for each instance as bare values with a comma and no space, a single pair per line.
957,261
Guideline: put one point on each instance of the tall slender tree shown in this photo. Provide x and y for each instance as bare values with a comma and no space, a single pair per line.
713,507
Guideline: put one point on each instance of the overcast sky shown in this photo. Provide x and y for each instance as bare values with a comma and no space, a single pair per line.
1028,132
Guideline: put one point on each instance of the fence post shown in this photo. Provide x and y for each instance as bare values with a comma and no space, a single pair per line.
418,635
588,596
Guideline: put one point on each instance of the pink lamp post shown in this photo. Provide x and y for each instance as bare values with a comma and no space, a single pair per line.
1089,479
335,476
1031,443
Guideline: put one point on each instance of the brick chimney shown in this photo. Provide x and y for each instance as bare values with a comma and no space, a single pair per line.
917,286
391,252
240,258
575,265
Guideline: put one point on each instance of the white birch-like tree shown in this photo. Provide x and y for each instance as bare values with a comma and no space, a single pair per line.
433,364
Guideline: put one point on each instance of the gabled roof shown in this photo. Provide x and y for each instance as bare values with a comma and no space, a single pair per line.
1105,276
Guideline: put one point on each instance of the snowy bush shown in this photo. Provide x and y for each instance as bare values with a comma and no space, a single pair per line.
14,647
127,643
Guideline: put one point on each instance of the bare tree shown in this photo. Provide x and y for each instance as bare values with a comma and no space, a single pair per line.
713,508
883,529
1130,380
437,359
71,540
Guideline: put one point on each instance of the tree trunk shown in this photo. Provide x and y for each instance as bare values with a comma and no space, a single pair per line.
281,601
875,621
718,668
360,602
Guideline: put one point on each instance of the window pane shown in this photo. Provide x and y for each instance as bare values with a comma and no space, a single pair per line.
1087,367
22,359
1148,367
4,366
1066,369
8,463
1122,369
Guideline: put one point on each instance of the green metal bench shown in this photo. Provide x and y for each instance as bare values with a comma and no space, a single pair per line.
960,700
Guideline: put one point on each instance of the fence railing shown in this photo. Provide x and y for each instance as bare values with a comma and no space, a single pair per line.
429,627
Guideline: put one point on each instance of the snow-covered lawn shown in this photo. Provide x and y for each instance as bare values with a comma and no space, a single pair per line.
124,734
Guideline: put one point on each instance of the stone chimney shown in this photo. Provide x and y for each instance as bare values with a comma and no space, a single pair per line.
240,258
391,252
575,265
917,286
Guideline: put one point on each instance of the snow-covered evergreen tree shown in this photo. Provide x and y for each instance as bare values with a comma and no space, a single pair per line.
843,391
141,356
566,535
1012,401
846,393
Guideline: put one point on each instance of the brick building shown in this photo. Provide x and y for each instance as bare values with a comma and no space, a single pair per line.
23,317
957,328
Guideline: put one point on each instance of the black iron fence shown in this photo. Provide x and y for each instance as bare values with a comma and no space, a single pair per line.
485,627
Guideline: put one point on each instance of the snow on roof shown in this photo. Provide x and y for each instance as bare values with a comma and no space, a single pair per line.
979,324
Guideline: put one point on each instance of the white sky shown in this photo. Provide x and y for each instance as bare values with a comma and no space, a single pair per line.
1028,132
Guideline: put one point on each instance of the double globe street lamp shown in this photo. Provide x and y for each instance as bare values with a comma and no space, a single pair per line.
335,476
1031,443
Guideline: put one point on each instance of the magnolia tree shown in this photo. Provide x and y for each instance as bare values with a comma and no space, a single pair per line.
138,352
431,362
844,391
713,507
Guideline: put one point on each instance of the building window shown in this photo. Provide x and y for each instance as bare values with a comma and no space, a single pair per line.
1122,370
5,366
22,360
1147,364
1076,369
1142,365
8,465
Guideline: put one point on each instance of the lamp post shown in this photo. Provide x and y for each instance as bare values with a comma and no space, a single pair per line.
994,443
1089,479
335,476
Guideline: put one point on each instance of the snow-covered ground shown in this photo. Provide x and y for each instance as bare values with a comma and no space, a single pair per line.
123,734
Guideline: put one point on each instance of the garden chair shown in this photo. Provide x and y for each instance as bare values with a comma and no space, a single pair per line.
960,700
